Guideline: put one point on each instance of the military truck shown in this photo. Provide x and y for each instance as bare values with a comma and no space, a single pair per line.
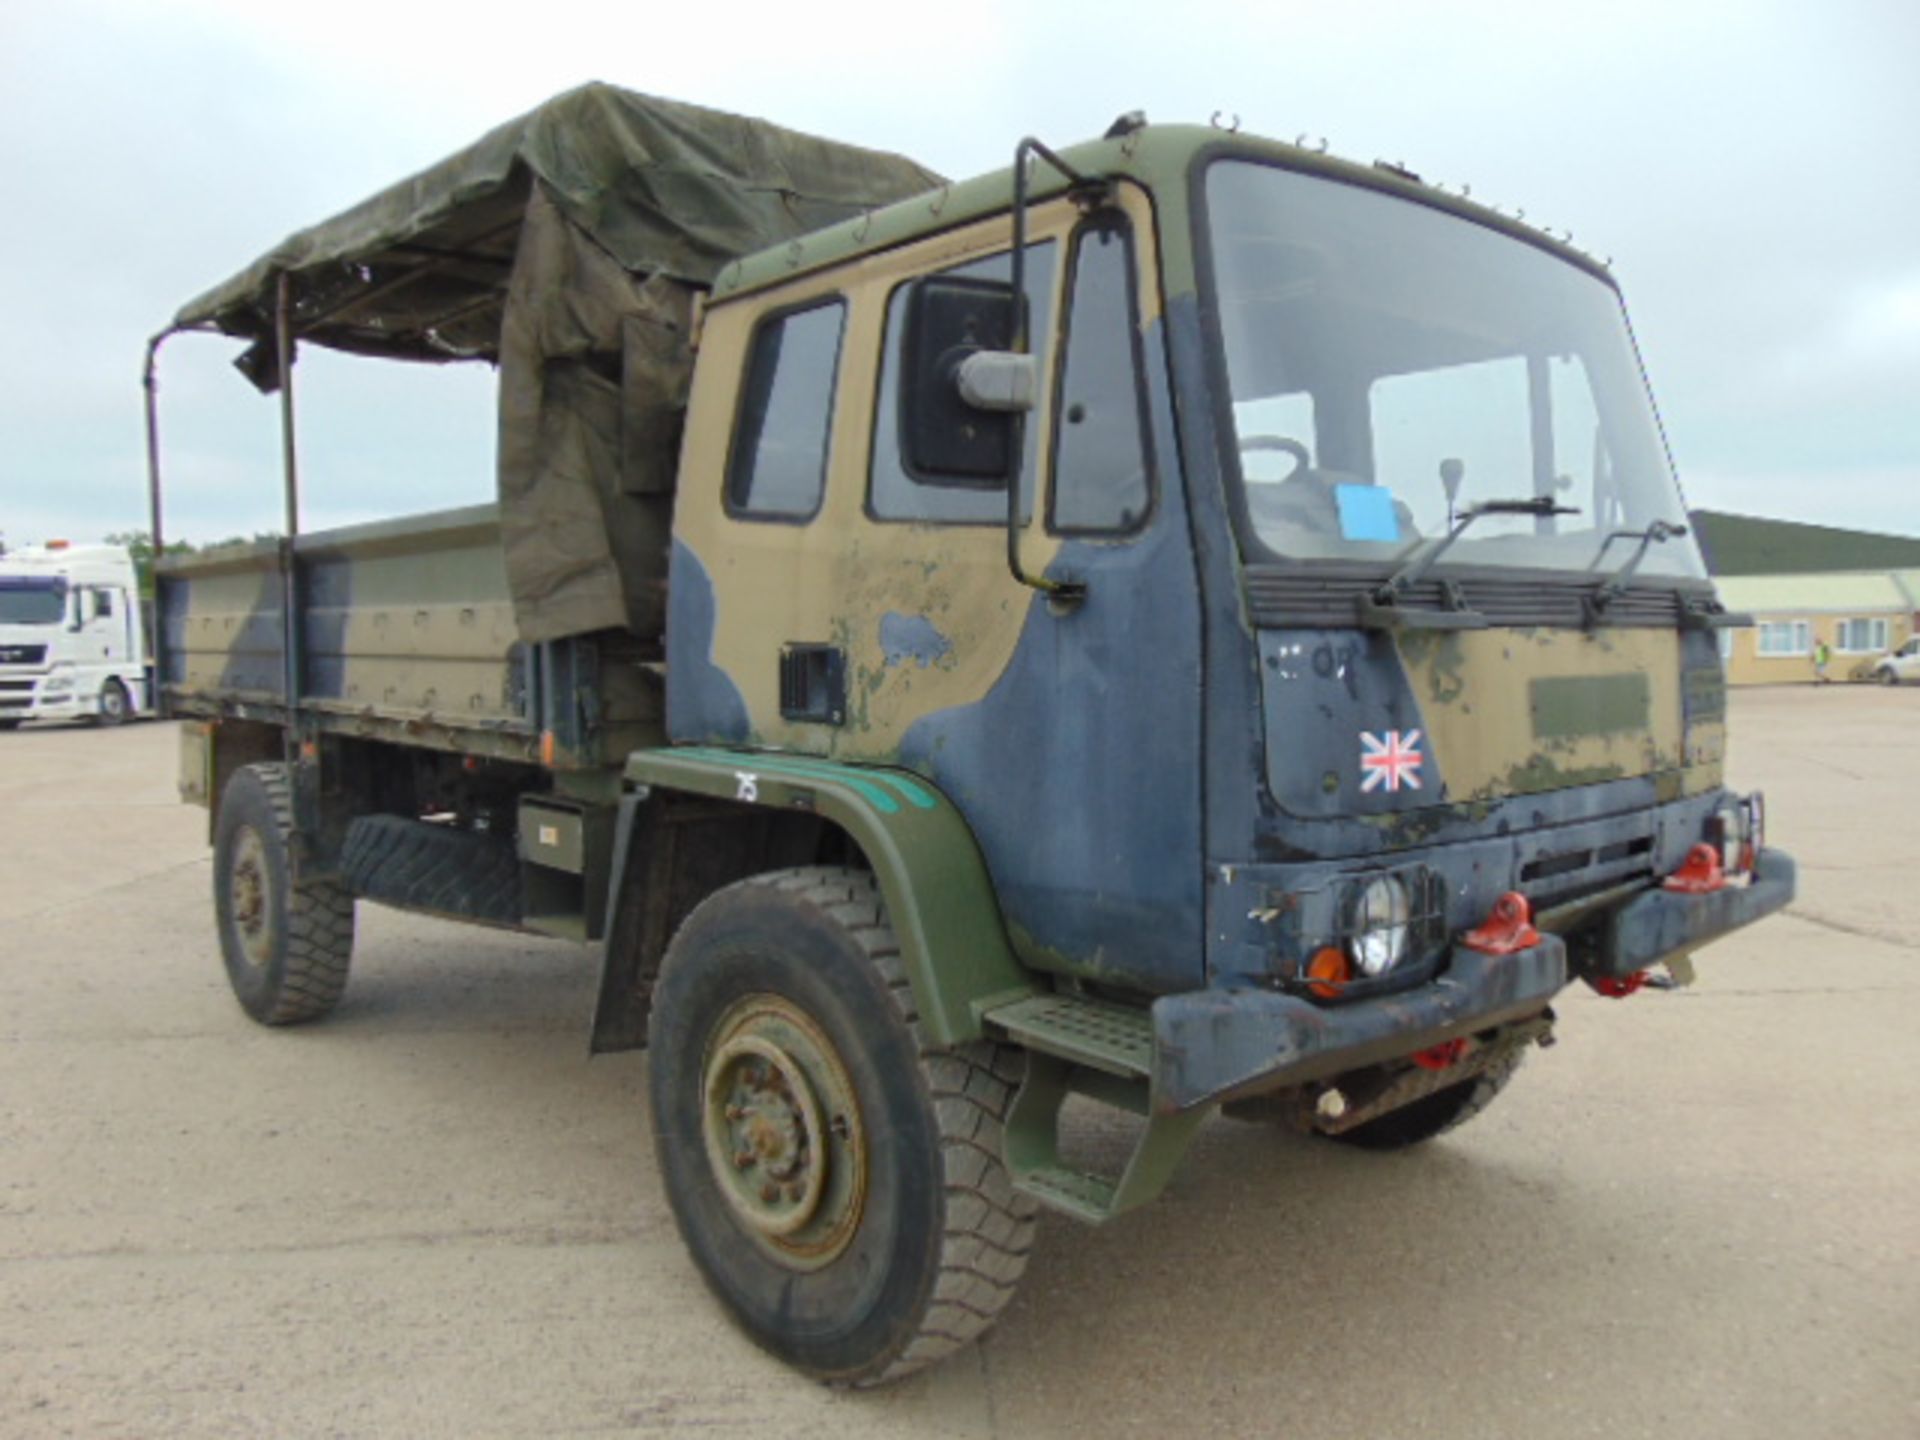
1184,622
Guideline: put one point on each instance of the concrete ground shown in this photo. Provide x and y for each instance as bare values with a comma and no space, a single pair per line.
431,1215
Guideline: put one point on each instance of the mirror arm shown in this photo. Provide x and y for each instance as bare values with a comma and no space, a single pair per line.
1062,592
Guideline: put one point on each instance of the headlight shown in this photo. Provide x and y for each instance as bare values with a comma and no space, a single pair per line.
1380,925
56,685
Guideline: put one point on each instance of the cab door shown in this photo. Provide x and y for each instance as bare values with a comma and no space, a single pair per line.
107,630
875,618
95,622
1067,733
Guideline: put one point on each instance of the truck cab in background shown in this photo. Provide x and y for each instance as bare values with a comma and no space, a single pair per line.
72,635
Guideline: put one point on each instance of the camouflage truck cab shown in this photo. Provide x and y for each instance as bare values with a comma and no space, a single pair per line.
1185,622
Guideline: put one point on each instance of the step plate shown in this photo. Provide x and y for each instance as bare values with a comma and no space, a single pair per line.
1115,1038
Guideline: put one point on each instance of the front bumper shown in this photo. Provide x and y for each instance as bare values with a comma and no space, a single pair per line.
25,696
1661,923
1218,1044
62,706
1223,1043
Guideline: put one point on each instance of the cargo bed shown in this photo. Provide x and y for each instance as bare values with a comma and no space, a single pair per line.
405,632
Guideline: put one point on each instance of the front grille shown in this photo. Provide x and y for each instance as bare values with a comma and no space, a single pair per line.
1301,597
22,654
1571,875
6,685
15,702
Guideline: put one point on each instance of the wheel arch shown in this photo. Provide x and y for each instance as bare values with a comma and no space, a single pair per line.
953,942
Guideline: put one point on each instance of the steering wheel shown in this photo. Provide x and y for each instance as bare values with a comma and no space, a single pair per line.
1282,445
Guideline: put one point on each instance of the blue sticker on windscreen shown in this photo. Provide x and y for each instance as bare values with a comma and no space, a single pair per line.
1366,513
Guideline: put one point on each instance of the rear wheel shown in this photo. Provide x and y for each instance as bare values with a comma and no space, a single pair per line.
837,1179
286,945
114,705
1434,1114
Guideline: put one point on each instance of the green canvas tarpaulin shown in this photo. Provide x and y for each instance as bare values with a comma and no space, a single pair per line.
566,246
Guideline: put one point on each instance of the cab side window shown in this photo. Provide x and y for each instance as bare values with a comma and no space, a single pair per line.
102,603
898,494
1100,474
778,467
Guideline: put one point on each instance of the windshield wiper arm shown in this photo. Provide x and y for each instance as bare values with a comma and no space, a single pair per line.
1658,533
1382,610
1415,569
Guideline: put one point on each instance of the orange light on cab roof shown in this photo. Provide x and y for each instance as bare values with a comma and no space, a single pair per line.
1328,971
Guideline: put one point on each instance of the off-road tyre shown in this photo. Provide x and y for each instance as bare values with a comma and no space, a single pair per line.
1434,1115
286,946
939,1238
432,868
113,707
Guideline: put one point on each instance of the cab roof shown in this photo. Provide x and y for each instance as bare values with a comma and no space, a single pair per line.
1160,157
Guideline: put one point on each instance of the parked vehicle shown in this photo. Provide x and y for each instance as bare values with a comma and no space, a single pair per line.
1183,622
1902,666
73,635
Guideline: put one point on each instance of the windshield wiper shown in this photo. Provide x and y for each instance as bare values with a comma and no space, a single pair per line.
1382,609
1610,589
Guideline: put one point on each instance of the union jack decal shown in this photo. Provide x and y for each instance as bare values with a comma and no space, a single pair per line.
1390,761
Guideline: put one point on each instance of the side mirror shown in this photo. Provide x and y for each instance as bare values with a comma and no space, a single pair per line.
960,398
999,380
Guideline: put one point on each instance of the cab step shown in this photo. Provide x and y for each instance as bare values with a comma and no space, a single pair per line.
1116,1039
1077,1193
1077,1045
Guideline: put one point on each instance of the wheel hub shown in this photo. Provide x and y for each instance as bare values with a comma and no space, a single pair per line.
782,1131
247,897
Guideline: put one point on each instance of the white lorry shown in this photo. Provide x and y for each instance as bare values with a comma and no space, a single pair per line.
73,639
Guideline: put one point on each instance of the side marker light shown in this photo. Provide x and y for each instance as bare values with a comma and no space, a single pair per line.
1328,972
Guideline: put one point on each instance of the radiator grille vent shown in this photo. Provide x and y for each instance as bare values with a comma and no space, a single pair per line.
1303,598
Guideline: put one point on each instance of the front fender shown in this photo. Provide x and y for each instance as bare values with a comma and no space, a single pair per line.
939,897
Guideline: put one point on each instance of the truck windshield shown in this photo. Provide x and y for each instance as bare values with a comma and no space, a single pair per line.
32,600
1391,365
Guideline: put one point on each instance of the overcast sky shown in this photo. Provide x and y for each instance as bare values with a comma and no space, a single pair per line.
1748,166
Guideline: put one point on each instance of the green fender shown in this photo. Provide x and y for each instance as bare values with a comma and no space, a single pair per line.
938,895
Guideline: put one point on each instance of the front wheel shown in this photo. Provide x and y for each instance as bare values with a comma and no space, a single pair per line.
837,1179
1887,677
115,707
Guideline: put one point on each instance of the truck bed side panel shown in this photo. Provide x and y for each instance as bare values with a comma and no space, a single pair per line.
406,621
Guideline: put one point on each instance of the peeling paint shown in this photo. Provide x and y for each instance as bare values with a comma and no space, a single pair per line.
912,637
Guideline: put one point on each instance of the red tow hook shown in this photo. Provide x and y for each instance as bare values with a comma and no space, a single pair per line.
1444,1056
1699,873
1508,930
1618,987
